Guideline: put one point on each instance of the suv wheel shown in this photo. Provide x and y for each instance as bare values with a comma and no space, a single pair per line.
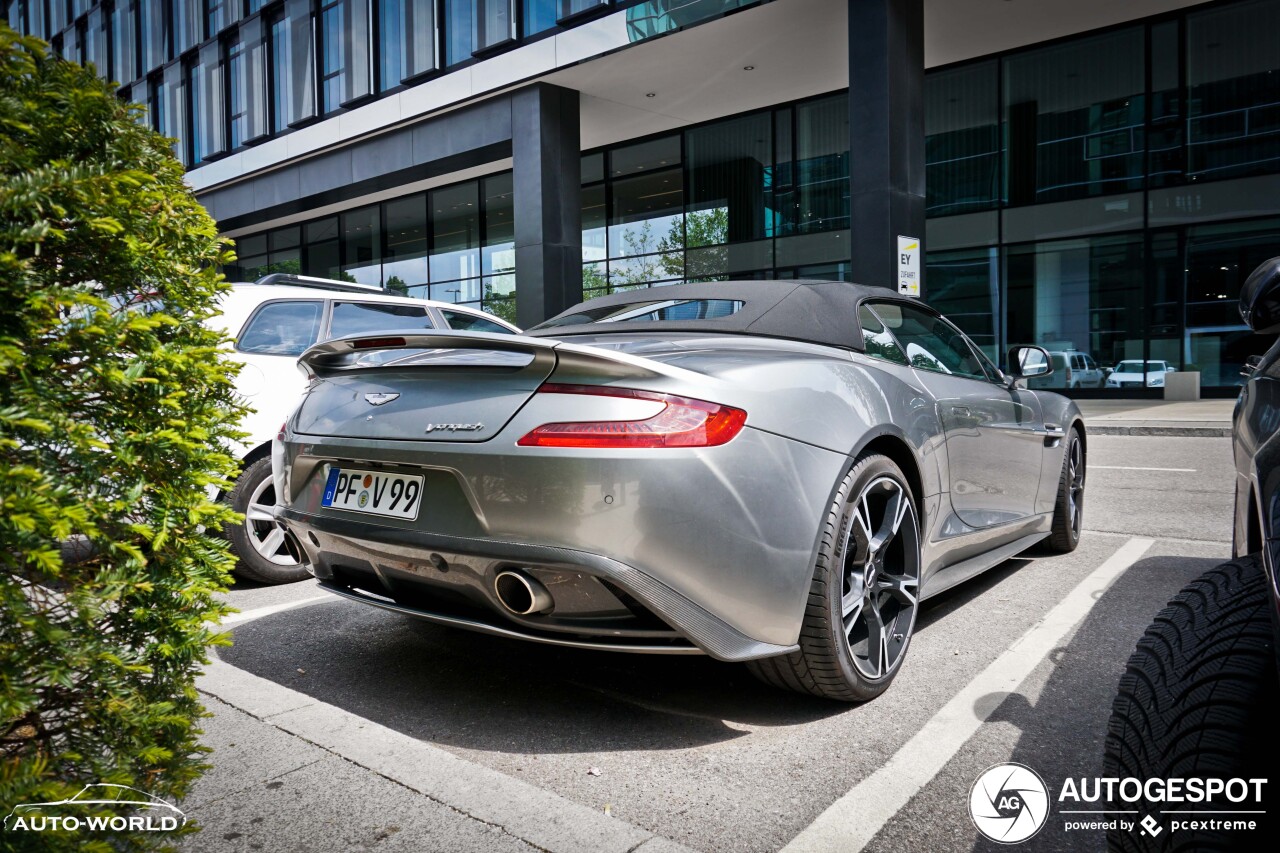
265,553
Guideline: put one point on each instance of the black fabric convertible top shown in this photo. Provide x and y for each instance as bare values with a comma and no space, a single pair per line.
822,312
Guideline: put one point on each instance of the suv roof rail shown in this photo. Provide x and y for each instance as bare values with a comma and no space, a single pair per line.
321,283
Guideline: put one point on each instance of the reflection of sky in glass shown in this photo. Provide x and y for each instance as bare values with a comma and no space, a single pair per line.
464,263
499,258
634,238
412,271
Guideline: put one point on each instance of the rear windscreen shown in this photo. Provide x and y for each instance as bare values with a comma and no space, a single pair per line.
650,311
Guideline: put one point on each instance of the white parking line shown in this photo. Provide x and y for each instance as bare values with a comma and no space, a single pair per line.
854,819
259,612
1136,468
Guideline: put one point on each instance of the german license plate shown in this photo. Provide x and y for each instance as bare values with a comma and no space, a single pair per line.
374,492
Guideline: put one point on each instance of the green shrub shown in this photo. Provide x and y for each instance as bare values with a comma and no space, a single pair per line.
114,404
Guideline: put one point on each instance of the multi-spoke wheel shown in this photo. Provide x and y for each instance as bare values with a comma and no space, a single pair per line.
1068,513
865,591
265,553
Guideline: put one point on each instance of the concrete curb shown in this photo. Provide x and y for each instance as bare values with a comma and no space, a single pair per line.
541,818
1184,432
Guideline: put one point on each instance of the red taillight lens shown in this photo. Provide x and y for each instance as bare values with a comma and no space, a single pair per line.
683,422
280,434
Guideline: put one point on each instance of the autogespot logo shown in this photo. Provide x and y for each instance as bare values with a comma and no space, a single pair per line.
1009,803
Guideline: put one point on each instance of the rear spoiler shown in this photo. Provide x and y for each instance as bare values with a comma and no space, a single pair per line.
570,361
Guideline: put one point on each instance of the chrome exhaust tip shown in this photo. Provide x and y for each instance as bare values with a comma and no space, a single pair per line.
522,594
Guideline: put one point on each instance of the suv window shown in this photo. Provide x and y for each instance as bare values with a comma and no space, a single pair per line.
930,342
354,318
282,328
471,323
879,343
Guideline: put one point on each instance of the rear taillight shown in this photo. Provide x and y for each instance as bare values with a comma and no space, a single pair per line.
377,343
682,422
280,434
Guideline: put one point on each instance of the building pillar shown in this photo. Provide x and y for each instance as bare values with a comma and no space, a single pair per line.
547,166
886,135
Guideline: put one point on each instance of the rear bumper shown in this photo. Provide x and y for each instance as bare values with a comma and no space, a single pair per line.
448,579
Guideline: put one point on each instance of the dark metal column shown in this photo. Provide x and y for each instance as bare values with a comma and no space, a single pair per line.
546,153
886,134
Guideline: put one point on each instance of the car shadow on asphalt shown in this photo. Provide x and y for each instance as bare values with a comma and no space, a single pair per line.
1062,729
473,691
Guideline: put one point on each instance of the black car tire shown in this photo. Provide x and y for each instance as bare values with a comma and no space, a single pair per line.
251,564
1198,696
827,664
1068,516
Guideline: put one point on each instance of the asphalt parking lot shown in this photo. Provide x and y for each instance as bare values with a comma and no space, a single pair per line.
697,752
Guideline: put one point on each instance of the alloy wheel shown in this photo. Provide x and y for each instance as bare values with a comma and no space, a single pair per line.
881,577
268,539
1075,484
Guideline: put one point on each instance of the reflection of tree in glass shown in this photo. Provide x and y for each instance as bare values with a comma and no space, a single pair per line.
502,307
396,284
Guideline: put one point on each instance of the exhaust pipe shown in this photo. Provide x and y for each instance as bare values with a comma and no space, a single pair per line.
522,594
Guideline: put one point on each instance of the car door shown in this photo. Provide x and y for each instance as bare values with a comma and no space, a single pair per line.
994,434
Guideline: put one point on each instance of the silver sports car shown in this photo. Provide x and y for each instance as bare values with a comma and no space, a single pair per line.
770,472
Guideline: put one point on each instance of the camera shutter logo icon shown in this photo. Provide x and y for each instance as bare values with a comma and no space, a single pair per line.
1009,803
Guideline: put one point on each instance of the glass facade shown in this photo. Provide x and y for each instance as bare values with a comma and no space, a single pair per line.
1071,185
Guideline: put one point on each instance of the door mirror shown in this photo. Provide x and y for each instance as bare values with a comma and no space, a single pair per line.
1028,361
1260,298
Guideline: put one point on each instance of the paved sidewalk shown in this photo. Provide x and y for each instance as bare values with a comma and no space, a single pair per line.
291,773
1200,418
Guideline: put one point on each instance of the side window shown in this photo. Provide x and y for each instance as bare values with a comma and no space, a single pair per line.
879,343
355,318
282,328
465,322
930,342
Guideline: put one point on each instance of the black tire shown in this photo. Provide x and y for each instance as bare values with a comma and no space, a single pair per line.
1068,512
829,663
1197,697
251,563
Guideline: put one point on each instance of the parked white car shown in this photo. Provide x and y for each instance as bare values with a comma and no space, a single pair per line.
1132,374
272,321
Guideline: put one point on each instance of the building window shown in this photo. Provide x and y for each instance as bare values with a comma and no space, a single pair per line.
154,25
407,40
292,67
220,14
495,23
729,182
1079,296
124,45
1233,96
208,108
57,15
965,285
455,242
458,34
246,84
404,258
188,28
498,255
962,139
1074,117
813,167
345,71
362,246
540,15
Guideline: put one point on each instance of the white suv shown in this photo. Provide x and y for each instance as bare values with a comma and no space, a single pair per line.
1071,369
272,321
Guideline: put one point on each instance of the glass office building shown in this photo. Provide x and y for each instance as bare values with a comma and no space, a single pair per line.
1102,193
